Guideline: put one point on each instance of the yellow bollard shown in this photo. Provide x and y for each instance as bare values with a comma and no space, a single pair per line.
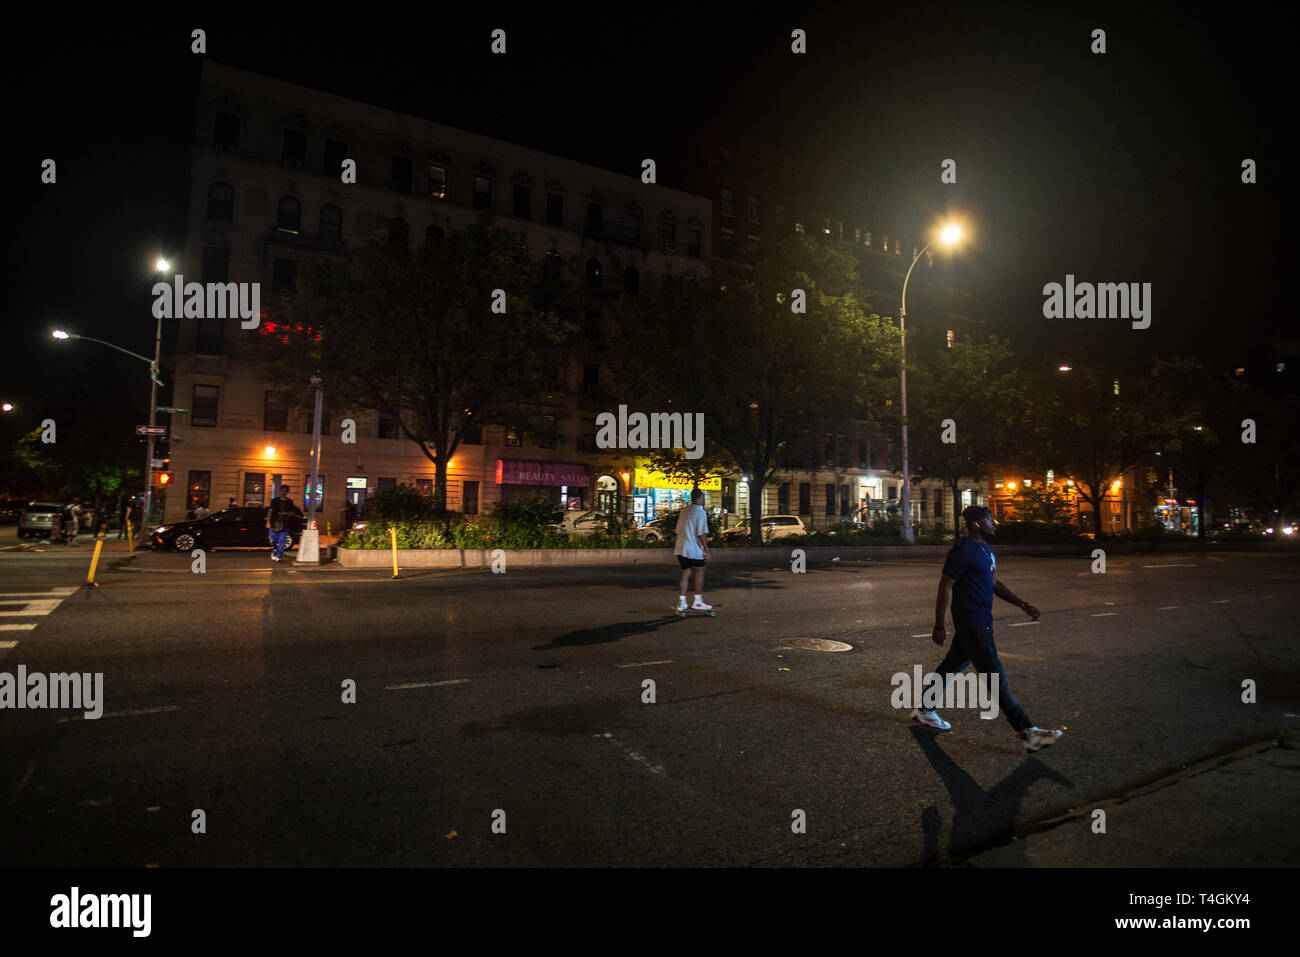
327,530
94,561
130,538
392,534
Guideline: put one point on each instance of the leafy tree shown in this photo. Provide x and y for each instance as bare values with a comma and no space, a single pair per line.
1041,503
416,337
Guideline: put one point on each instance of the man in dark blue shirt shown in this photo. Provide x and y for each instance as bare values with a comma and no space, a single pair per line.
969,573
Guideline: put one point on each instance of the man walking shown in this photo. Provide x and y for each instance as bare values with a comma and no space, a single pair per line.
281,509
969,574
692,550
72,521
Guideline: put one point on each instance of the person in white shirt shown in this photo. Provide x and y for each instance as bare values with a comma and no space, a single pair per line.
202,511
692,550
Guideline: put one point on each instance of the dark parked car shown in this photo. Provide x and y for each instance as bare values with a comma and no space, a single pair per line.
243,527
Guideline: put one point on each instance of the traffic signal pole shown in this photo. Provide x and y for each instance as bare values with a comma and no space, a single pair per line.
153,420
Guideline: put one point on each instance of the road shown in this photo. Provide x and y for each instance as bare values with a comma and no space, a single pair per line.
522,693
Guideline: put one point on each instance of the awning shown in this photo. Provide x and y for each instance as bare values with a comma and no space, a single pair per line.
512,472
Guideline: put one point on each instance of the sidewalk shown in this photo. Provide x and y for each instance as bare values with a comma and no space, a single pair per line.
1237,810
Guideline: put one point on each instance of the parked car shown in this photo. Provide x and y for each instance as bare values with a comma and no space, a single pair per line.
848,528
39,520
773,526
582,523
657,529
11,510
243,527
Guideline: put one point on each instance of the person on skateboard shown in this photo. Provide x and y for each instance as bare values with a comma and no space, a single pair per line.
692,551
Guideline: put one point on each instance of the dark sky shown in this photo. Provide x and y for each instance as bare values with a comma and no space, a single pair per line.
1115,167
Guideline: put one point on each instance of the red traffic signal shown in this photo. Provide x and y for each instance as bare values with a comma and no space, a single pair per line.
164,478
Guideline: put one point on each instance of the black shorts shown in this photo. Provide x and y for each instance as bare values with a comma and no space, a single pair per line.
685,562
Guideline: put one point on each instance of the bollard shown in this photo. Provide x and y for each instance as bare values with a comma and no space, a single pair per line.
130,538
327,530
392,534
94,560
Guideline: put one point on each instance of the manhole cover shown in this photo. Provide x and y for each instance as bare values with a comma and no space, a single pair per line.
815,644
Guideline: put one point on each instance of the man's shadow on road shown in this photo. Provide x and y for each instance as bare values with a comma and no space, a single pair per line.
606,633
983,818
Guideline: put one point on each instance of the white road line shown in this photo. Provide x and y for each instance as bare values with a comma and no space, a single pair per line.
643,664
923,635
35,608
426,684
1021,624
1222,601
9,644
1166,607
1105,614
18,627
125,714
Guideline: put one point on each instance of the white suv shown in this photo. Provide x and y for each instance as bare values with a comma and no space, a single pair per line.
774,526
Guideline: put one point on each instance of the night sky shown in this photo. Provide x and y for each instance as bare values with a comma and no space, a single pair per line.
1116,167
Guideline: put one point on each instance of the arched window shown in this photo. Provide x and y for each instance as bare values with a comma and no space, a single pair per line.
331,223
221,202
593,273
631,281
289,214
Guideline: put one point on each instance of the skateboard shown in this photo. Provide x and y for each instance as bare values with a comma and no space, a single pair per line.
681,612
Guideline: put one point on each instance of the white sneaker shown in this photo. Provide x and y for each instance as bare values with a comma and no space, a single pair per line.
1036,738
274,558
931,719
700,606
681,604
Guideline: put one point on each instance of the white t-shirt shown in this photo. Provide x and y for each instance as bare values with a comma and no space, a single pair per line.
691,522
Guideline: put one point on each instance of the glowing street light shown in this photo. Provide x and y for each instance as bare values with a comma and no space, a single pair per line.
60,334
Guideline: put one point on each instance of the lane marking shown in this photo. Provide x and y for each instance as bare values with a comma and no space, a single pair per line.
9,644
426,684
124,714
1222,601
1176,565
925,635
643,664
1021,624
35,608
1167,607
18,627
1009,654
1105,614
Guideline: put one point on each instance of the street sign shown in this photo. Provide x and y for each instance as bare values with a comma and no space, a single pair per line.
173,411
151,430
156,464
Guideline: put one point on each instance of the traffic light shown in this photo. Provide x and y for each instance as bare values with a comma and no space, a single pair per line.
164,478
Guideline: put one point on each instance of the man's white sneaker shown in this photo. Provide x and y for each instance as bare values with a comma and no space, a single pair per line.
931,719
700,606
681,604
1036,738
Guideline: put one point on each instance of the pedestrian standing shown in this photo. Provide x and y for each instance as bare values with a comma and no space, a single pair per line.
202,511
72,519
692,550
281,509
970,575
124,516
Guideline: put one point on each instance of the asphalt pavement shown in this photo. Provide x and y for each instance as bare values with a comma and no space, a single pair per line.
518,702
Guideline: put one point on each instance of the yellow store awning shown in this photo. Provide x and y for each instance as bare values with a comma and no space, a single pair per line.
646,478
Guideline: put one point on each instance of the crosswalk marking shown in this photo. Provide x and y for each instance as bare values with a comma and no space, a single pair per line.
7,644
35,607
23,627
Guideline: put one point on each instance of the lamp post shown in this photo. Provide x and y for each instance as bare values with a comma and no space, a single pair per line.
309,541
950,235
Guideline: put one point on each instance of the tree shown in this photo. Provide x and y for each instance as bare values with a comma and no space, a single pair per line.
417,338
1041,503
801,350
966,409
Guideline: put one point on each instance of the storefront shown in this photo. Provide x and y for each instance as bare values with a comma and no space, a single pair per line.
565,483
655,494
1178,518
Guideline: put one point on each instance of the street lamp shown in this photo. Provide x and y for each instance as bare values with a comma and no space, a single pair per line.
949,235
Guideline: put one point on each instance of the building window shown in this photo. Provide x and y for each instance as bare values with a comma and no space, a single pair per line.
294,149
216,264
830,499
254,489
728,243
898,247
548,439
424,487
225,132
288,216
866,238
469,498
437,182
482,192
320,491
203,408
591,378
729,496
335,152
751,247
693,241
631,281
210,338
805,499
275,417
950,338
751,208
728,203
554,209
221,202
513,439
857,234
593,273
403,172
862,453
844,501
552,264
198,491
1115,388
782,500
389,426
798,228
668,235
284,277
386,484
595,218
331,223
884,243
998,484
523,202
